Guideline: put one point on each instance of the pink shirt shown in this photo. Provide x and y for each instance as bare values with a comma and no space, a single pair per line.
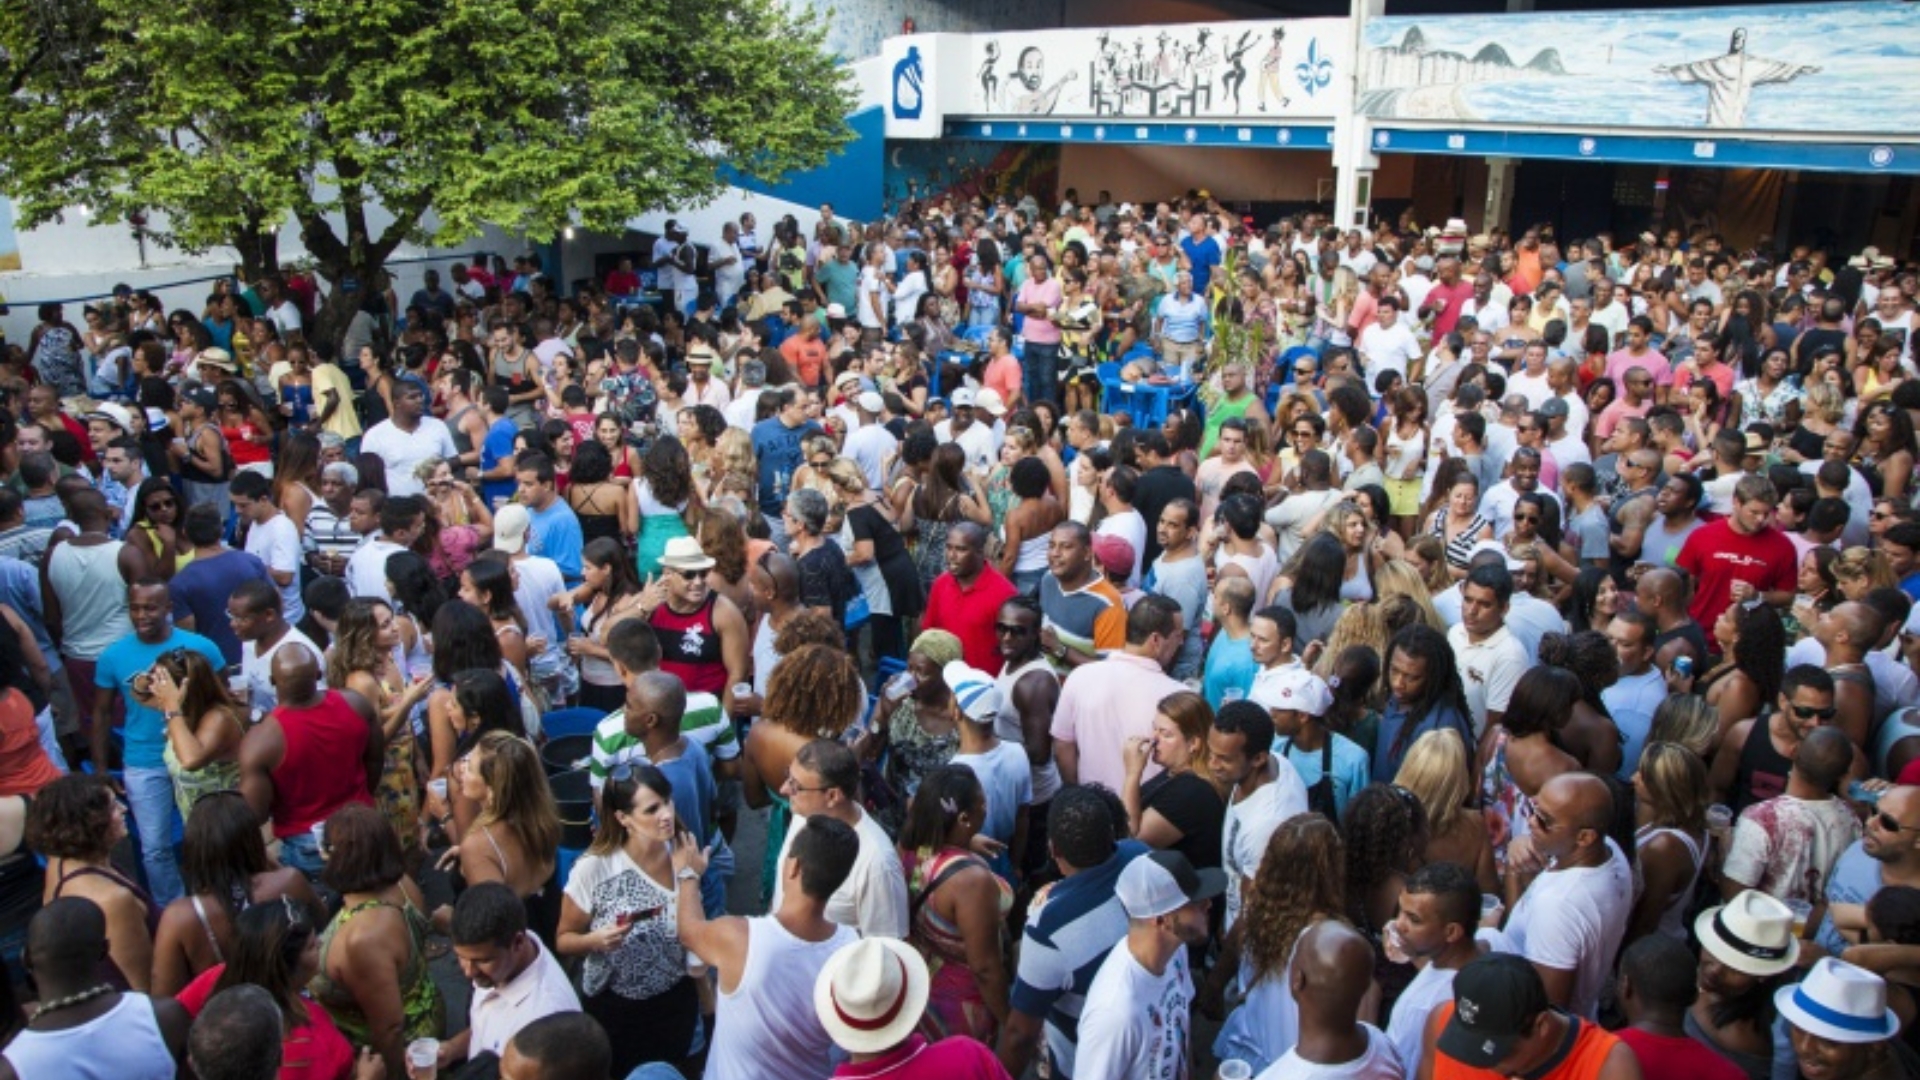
1618,364
1105,703
1617,410
1047,293
956,1057
1003,377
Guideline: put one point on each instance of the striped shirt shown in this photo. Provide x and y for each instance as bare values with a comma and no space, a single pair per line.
702,723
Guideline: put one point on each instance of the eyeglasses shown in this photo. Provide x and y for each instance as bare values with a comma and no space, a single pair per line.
796,787
1303,434
1806,712
1888,822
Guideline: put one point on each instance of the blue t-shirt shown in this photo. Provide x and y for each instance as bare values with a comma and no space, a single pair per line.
1204,255
777,449
1230,666
122,660
555,534
497,448
1351,771
1855,878
1071,927
691,775
1391,747
1911,585
200,591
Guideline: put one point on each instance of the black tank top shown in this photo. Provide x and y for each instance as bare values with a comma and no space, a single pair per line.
462,442
1689,631
1762,772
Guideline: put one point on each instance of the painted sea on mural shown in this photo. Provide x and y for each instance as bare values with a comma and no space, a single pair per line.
1782,69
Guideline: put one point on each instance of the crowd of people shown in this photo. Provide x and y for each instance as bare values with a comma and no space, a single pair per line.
1504,665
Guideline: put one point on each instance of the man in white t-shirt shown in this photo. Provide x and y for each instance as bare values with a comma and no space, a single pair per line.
1786,846
729,266
254,613
1136,1023
407,438
401,520
1530,381
1439,910
1264,795
869,443
1490,658
271,537
1570,921
1389,345
825,779
1332,970
965,428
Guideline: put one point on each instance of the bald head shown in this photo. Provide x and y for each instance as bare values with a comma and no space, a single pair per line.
1854,624
66,940
1823,758
1663,587
974,534
657,698
1332,971
784,575
1645,459
295,674
1579,800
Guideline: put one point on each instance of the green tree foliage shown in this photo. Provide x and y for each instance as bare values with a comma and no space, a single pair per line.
419,120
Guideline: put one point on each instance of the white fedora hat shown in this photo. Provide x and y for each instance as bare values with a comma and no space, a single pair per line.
683,553
1840,1003
1752,934
870,994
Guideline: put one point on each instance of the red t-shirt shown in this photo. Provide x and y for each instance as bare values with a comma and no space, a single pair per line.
1454,298
1717,556
314,1051
24,767
1676,1057
806,357
968,614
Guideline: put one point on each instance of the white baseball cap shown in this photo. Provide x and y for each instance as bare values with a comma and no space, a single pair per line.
510,525
1513,564
963,398
870,402
1293,688
1161,882
973,690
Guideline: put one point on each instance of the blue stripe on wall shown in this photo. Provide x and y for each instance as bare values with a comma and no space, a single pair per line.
1123,133
1654,150
852,180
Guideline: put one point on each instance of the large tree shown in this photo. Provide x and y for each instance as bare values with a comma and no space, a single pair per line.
373,122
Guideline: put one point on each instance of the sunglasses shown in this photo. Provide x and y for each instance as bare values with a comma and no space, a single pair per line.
1526,518
1887,822
1806,712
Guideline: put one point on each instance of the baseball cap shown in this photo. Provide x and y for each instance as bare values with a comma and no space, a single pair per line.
510,525
870,402
204,396
973,690
1115,556
1495,998
963,398
1161,882
1293,688
1554,407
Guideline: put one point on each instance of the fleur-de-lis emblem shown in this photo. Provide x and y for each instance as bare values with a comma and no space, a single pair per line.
1316,71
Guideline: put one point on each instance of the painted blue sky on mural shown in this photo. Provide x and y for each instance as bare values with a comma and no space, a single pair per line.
1826,68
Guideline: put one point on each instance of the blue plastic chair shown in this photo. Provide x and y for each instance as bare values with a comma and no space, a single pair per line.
575,721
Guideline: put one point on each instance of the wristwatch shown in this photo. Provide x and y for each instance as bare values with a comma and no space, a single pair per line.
686,873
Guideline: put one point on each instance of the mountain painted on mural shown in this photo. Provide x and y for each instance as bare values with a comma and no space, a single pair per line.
1788,68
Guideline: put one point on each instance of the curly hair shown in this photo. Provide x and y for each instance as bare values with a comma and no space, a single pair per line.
668,470
72,818
725,542
808,628
1302,878
815,690
1380,828
707,420
1362,623
1397,582
1590,656
733,454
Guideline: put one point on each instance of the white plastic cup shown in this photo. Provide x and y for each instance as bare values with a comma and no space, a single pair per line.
438,787
1491,908
1719,819
319,832
423,1059
740,690
1802,914
1235,1069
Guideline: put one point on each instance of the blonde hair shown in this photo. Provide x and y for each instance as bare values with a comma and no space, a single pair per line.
1338,515
733,453
1438,772
1675,780
846,476
1397,580
1859,562
1346,285
1824,400
1428,547
1686,720
1360,624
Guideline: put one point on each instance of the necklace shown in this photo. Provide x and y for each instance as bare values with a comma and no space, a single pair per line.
73,999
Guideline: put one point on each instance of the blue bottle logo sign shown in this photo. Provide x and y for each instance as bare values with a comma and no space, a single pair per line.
909,82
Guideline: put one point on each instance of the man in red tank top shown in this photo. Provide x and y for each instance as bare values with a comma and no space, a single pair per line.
1500,1025
704,639
317,751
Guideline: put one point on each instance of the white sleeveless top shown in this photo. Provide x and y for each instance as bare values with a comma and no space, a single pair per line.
123,1043
1673,922
767,1026
1046,778
93,599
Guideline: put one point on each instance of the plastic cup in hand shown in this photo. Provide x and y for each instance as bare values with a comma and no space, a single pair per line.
423,1059
438,787
1235,1069
741,690
1802,912
902,684
319,832
1719,818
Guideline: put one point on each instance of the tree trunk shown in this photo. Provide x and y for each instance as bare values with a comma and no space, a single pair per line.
259,251
336,309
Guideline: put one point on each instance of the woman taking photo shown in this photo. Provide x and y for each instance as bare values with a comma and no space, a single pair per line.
1179,808
661,494
611,594
959,907
373,977
1669,839
204,727
277,948
515,837
74,823
226,869
488,585
365,658
619,912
